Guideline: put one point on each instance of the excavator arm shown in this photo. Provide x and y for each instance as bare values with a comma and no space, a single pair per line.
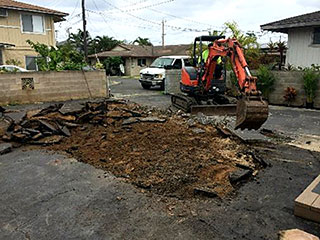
252,110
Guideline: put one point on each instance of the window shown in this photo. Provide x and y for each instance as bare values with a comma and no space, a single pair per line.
31,63
316,36
142,62
177,64
32,23
161,62
188,62
3,12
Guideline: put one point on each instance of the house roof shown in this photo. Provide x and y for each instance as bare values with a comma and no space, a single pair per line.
305,20
10,4
130,50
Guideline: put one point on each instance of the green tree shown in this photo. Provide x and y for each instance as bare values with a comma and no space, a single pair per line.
65,57
142,41
281,47
248,41
77,40
101,44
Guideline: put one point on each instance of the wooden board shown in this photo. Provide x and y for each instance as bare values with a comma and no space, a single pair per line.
307,204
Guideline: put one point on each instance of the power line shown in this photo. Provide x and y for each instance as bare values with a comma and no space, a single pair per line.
146,26
75,8
140,18
177,28
108,24
147,6
134,4
182,18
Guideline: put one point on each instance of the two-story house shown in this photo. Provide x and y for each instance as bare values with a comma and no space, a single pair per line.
20,22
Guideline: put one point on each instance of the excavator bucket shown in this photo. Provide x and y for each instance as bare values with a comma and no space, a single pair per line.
252,112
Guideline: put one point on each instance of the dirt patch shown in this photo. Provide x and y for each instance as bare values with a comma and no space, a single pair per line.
171,155
166,158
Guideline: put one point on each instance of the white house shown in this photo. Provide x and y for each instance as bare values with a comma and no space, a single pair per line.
303,38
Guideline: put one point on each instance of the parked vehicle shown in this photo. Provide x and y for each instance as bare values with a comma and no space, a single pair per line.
12,68
154,75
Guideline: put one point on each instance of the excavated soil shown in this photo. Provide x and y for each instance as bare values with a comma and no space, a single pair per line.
169,158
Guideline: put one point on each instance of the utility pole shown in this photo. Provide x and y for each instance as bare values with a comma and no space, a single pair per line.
163,34
68,31
85,44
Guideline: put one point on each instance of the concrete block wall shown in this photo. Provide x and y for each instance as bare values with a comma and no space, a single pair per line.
284,79
52,86
172,81
291,79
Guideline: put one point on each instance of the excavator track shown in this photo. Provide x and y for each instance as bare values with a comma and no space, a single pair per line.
252,112
183,102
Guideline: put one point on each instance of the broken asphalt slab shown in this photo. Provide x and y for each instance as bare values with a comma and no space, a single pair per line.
5,148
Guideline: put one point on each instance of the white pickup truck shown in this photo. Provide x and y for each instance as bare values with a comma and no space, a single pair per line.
154,75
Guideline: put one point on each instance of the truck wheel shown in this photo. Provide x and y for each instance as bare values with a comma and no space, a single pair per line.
146,86
162,86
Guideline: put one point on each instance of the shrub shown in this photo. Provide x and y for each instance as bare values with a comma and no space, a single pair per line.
111,64
265,81
290,95
310,84
57,59
13,62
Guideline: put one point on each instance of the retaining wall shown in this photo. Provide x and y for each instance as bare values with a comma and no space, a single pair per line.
31,87
283,80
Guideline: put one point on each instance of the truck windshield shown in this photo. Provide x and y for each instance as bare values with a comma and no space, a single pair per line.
161,62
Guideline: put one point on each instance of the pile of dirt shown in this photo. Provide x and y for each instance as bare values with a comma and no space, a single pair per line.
170,155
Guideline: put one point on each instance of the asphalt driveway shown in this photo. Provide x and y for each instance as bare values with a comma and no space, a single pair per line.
46,195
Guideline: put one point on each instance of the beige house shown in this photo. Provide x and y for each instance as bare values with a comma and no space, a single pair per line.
20,22
137,57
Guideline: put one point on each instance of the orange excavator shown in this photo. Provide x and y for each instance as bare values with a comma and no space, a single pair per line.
203,85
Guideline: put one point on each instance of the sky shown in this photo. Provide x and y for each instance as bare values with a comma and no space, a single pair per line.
183,19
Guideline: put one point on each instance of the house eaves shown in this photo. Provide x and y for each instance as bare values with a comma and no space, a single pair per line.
20,6
305,20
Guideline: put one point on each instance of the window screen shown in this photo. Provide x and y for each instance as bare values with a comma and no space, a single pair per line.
316,36
31,63
37,24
